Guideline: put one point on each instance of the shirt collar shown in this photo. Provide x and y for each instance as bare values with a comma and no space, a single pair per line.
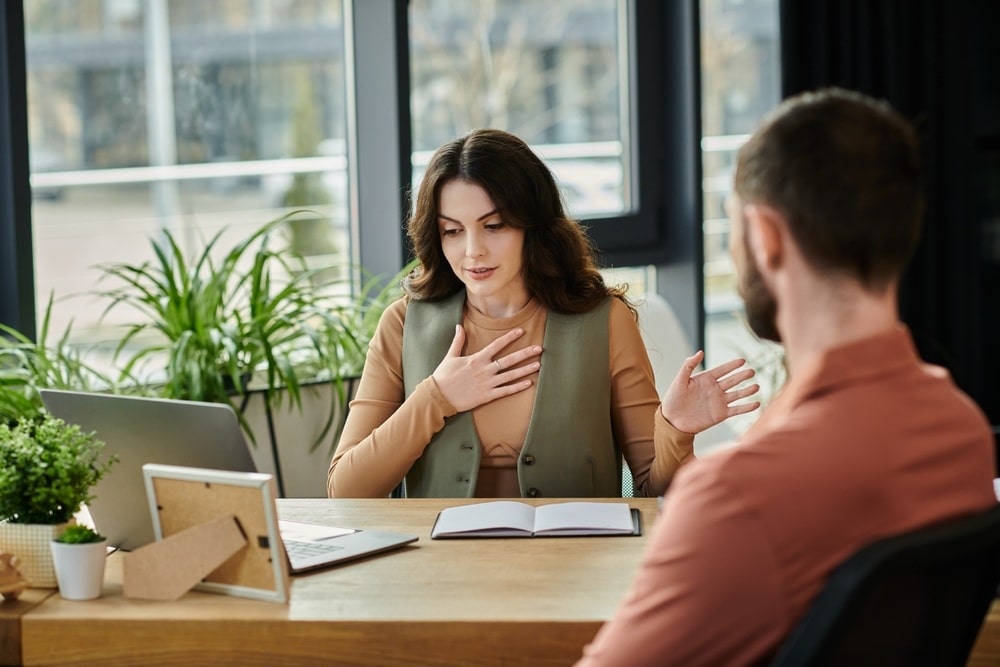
853,363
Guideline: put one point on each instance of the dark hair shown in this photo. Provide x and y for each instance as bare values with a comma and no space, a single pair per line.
559,266
844,170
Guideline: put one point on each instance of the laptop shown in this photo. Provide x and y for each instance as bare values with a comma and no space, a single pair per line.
141,430
191,434
180,497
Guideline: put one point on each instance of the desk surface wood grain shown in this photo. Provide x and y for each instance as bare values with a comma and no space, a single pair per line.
515,601
11,612
477,602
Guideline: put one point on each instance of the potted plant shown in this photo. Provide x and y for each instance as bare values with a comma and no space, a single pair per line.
248,325
47,471
206,325
78,556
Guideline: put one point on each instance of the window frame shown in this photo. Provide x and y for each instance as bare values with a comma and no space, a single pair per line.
17,285
662,230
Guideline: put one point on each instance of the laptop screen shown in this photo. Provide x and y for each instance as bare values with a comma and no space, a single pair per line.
140,430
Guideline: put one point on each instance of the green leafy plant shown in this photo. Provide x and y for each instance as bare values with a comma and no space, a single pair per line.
47,469
27,366
245,318
347,328
79,534
209,322
213,323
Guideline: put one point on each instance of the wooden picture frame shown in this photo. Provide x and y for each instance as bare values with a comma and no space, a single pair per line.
182,498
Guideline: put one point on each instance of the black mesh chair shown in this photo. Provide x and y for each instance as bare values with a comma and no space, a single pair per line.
915,599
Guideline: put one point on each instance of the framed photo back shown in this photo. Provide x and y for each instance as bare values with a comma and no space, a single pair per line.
181,498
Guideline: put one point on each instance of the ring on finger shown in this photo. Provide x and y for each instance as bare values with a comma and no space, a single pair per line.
497,362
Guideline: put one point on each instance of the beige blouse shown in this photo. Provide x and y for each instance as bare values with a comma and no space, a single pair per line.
385,434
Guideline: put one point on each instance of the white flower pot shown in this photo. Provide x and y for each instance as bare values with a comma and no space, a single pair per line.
80,568
30,543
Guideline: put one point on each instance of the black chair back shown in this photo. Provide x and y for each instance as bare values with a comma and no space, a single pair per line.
913,599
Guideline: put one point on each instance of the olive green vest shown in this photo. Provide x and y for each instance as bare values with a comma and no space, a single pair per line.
569,450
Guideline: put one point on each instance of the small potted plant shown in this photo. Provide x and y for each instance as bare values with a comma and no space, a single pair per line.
78,556
47,471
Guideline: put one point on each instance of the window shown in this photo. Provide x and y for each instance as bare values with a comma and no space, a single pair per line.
568,77
181,115
186,116
553,72
740,83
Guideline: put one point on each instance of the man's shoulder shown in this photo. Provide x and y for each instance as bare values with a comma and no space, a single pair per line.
729,475
761,472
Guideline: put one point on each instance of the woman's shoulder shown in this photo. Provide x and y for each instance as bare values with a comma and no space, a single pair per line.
391,322
619,312
397,309
623,327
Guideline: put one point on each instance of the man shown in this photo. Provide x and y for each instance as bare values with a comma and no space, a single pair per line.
863,442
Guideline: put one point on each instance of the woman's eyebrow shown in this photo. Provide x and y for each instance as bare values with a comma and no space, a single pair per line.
479,219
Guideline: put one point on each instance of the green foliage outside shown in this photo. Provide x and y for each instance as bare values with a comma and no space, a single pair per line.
308,234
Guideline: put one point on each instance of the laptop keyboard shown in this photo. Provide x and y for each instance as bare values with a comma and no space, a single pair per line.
299,550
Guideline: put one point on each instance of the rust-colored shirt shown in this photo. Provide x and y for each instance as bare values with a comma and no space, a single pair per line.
867,442
385,434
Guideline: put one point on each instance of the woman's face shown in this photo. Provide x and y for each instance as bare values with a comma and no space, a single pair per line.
482,250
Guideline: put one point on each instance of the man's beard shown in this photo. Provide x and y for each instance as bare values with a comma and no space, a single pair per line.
758,301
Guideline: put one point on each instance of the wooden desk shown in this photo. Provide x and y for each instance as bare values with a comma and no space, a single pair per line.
459,602
11,612
442,602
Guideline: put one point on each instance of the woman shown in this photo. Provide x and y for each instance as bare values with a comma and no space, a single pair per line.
510,369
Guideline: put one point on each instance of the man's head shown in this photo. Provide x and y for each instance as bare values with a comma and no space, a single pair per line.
842,171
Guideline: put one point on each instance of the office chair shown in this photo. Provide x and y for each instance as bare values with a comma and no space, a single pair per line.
668,346
913,599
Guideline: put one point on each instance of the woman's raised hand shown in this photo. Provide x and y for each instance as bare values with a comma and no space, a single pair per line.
696,401
470,381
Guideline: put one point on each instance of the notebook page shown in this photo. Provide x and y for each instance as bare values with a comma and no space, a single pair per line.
584,515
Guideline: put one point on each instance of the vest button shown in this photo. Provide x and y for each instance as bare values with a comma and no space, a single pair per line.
527,459
534,493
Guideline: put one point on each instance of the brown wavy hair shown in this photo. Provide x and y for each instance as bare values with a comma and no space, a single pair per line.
558,261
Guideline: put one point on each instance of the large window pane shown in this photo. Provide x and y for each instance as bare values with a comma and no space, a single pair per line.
553,72
740,83
187,116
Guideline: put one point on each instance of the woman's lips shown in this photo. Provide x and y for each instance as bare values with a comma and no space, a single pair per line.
480,273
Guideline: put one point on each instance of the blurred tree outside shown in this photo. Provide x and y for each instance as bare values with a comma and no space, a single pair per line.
546,71
309,235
